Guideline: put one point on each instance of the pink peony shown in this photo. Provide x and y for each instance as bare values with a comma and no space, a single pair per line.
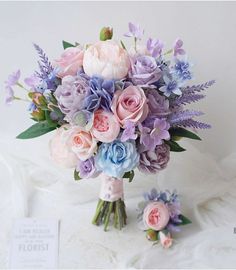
130,104
166,240
105,126
107,60
61,150
156,216
70,62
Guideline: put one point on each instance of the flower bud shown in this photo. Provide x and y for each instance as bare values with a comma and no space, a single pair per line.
106,33
38,115
151,235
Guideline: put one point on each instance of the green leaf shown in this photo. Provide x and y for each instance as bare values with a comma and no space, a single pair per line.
129,175
76,176
182,132
122,44
174,146
49,120
36,130
184,220
67,44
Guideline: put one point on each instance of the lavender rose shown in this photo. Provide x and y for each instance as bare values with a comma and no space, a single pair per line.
158,105
86,168
154,161
71,94
144,70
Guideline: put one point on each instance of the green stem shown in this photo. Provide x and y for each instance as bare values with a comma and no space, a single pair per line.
107,218
168,52
99,206
21,86
21,99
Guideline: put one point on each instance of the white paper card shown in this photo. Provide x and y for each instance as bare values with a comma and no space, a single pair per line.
34,243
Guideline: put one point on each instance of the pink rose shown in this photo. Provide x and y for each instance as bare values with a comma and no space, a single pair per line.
70,62
61,150
106,59
105,126
130,104
156,216
165,239
82,143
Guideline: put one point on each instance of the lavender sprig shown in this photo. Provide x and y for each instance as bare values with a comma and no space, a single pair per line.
44,64
197,88
186,99
190,123
178,117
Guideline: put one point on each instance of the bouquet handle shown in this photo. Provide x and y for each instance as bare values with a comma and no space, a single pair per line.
111,204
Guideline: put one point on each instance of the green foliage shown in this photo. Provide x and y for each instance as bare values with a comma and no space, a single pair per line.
174,146
76,176
182,132
67,44
37,130
129,175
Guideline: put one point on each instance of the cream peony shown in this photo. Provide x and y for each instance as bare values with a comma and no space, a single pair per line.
107,60
60,148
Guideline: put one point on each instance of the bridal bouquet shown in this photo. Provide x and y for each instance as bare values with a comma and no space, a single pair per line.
113,109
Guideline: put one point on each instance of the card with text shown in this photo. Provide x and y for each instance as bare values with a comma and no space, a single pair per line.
34,243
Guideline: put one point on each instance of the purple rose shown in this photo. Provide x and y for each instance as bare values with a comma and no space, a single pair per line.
144,70
154,161
71,93
87,168
158,105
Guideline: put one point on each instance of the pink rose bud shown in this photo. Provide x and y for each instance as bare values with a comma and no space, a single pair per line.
156,216
165,239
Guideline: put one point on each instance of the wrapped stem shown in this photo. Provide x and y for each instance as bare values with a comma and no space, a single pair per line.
111,206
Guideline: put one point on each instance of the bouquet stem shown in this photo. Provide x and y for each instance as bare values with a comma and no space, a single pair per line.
111,205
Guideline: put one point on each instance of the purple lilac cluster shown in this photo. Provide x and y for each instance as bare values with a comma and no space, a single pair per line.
114,101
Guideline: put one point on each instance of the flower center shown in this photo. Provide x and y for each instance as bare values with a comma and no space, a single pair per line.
154,216
101,123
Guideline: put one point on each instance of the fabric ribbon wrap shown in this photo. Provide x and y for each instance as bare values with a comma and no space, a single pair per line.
111,188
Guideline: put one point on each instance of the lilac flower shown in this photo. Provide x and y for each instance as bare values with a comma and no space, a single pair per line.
181,70
13,78
9,95
11,81
129,132
155,46
178,47
158,105
134,31
144,70
101,94
154,161
32,81
172,86
87,168
151,137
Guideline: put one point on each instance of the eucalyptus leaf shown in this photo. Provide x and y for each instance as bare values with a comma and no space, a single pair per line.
67,44
184,220
182,132
76,176
174,146
37,130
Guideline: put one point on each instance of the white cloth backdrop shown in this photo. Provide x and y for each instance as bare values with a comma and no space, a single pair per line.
205,175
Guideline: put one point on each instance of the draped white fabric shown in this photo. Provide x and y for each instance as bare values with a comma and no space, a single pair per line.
31,185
